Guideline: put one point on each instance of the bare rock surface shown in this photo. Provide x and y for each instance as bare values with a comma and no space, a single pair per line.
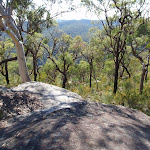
77,125
51,96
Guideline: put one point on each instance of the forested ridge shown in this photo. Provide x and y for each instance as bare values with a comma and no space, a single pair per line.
106,61
78,27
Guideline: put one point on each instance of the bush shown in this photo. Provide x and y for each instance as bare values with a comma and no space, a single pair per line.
132,99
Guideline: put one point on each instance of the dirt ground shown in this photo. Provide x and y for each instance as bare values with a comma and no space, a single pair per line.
84,126
19,103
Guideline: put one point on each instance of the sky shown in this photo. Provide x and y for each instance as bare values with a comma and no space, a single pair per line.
79,13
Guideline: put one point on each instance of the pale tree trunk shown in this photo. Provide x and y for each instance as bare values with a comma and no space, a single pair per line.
10,28
23,70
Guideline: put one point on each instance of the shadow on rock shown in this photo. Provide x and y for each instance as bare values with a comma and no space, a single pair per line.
83,126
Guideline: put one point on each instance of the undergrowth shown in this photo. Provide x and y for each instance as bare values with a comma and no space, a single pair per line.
127,94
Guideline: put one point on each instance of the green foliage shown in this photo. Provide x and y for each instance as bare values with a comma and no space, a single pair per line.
6,48
144,29
79,73
129,96
23,3
14,72
48,73
36,21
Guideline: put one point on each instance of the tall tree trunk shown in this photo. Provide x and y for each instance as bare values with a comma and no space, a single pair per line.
91,70
142,78
146,73
64,80
23,70
116,74
6,73
148,57
64,74
35,68
11,29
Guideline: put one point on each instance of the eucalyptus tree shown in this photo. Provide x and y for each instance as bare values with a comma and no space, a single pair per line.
63,54
117,26
93,54
35,44
8,25
140,46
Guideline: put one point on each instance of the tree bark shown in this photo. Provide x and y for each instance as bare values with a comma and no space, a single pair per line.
91,70
146,73
116,74
6,73
142,78
64,74
23,71
148,57
35,68
64,81
11,59
10,28
7,60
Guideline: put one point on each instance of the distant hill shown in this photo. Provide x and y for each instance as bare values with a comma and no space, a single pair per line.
73,27
77,27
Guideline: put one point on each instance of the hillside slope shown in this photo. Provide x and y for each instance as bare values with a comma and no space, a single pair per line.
77,27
